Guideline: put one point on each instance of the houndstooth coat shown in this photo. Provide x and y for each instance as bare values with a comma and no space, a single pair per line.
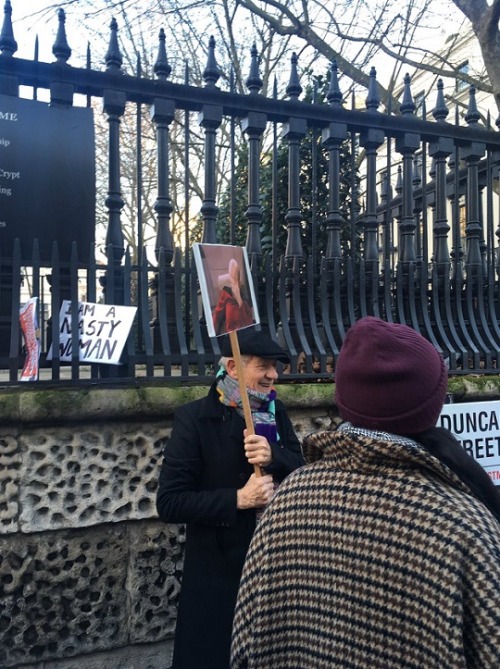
376,556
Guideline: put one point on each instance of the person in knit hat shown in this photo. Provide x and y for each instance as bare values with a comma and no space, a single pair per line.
388,377
385,552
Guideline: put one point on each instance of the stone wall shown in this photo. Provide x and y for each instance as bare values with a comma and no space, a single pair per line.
89,577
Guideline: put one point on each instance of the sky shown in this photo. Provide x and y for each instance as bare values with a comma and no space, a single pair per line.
31,18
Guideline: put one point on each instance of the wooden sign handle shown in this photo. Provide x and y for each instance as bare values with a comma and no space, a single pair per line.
235,347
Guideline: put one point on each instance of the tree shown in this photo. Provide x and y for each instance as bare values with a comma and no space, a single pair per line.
355,33
313,190
138,40
484,17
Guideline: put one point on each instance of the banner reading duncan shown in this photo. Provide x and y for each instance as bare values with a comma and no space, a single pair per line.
477,426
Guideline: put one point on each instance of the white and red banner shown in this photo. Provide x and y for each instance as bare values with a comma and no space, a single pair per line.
477,427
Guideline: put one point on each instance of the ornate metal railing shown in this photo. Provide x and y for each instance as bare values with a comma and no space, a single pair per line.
415,240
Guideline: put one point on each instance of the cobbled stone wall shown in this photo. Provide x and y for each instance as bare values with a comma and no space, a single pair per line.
89,577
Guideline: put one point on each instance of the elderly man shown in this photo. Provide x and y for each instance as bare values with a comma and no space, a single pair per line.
208,481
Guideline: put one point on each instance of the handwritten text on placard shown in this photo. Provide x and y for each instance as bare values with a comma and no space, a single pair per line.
102,332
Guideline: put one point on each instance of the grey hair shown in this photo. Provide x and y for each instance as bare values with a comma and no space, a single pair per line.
244,359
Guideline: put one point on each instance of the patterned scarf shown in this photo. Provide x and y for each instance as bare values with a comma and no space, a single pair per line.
262,405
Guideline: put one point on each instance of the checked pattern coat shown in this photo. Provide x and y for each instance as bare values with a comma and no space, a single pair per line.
376,556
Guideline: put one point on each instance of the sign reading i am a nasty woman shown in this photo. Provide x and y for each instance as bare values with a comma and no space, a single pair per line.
102,332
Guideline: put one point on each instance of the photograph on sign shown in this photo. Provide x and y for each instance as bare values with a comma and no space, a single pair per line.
102,332
226,288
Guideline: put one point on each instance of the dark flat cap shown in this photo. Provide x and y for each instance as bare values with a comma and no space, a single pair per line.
255,343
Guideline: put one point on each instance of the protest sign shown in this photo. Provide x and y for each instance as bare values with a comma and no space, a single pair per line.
229,304
102,332
28,319
477,427
226,286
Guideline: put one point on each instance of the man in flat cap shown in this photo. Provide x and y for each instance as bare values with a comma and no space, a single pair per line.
208,481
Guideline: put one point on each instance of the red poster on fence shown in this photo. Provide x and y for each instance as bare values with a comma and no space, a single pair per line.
28,320
226,288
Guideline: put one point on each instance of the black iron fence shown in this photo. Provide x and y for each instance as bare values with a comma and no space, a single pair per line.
408,233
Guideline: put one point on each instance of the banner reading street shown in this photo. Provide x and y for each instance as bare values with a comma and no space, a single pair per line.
477,427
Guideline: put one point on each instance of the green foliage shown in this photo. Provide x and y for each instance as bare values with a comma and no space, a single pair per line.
313,193
237,216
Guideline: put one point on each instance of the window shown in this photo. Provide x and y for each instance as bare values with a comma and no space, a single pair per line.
460,84
419,102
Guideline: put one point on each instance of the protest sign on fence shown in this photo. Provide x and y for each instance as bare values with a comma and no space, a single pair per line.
28,320
102,332
477,427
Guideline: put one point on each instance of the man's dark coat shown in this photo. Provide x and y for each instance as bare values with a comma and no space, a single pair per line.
204,465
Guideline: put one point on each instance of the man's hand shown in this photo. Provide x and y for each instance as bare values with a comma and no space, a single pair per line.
257,449
256,493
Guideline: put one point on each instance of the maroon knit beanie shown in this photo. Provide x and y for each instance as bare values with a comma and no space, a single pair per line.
388,377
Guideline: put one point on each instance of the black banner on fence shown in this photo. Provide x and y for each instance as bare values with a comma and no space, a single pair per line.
47,177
